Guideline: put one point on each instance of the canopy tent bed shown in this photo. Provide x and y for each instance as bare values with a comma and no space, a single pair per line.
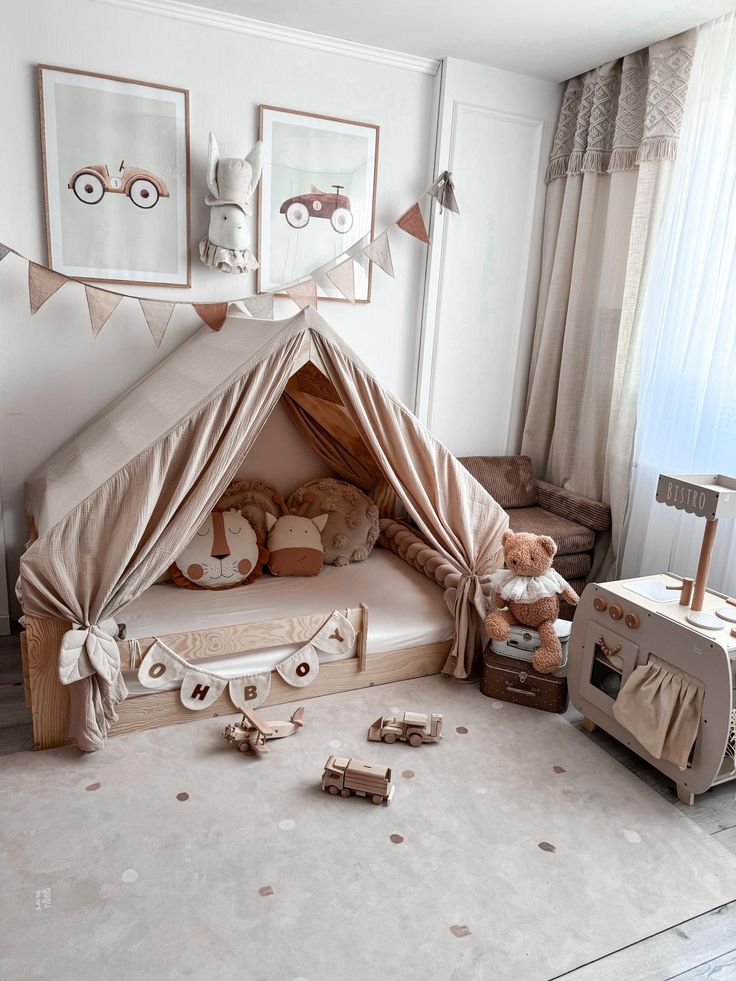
113,508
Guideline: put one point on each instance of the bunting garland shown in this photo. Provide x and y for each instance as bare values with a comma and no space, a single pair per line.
43,283
303,294
101,307
412,221
379,251
158,314
343,277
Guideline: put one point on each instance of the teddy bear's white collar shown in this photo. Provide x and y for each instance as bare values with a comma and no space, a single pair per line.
526,589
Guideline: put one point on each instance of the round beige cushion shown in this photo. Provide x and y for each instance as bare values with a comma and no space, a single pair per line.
352,518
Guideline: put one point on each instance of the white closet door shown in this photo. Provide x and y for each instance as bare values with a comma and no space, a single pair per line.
494,134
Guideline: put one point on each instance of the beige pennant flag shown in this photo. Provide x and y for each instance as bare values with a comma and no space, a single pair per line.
343,277
42,283
158,314
101,305
379,251
303,294
213,314
413,223
3,251
259,306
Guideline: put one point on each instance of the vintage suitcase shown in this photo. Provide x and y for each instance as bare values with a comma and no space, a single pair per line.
512,680
523,641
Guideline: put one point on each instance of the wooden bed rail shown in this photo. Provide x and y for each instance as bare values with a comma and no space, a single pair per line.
49,699
193,645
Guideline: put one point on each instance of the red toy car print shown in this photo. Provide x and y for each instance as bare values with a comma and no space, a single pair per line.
141,186
319,204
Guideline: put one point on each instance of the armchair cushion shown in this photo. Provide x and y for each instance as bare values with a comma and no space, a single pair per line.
508,479
569,536
582,510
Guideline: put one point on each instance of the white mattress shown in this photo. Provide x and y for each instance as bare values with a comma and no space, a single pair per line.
405,609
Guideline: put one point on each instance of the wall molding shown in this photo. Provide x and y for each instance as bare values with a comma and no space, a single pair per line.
278,32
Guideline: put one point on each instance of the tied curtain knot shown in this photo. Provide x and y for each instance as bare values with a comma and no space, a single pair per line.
86,651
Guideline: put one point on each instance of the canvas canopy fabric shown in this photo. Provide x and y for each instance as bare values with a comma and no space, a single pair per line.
118,502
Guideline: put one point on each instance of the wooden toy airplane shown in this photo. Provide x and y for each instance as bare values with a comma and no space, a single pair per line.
251,733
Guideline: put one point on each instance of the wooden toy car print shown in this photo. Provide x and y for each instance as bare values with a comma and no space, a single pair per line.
90,184
319,204
414,728
251,733
346,777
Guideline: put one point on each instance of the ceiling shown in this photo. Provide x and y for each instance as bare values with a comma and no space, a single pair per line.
553,39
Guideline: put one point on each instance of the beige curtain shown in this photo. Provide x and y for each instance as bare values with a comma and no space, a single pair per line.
608,178
117,541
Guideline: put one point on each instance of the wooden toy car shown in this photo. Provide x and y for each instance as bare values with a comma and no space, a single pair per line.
142,187
346,777
414,728
319,204
251,733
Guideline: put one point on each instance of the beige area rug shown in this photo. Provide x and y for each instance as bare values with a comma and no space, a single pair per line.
514,849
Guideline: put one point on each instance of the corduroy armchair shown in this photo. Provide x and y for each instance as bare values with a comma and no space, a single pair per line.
573,521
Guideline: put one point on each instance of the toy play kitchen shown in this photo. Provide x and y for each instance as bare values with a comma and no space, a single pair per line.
650,659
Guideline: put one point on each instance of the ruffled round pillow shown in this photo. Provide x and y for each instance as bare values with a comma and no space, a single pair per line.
352,518
254,499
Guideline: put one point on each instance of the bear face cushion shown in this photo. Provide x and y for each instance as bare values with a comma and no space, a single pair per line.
352,529
224,552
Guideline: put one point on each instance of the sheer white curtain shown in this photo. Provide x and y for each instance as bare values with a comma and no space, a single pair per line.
686,414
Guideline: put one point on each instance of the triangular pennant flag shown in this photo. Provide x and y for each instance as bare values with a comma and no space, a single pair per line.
379,251
260,306
213,314
444,190
343,277
413,223
3,251
42,283
303,294
157,314
101,305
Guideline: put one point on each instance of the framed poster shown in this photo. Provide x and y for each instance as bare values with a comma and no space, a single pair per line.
317,199
116,177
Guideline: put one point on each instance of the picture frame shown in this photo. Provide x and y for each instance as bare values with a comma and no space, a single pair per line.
116,177
303,227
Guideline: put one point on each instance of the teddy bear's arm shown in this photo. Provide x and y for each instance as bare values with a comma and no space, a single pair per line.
569,595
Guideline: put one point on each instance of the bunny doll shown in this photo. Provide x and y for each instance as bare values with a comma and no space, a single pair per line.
231,182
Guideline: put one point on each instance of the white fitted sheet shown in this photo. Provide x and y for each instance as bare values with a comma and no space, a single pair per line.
405,609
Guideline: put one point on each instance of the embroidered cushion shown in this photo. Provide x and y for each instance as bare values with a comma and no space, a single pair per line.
352,529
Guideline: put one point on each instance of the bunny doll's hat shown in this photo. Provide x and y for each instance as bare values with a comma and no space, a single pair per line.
232,180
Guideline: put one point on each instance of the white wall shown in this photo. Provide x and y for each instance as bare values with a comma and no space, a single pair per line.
53,375
495,134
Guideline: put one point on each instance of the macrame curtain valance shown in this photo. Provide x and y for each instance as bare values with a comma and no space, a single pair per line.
625,112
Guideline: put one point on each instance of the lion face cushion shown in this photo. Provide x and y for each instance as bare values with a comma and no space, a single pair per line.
224,552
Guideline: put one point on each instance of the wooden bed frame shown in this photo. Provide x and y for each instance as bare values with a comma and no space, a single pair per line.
48,699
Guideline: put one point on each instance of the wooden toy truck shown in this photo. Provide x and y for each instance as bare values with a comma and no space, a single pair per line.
414,728
346,777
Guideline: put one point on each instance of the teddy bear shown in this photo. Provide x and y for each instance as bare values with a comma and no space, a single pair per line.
530,588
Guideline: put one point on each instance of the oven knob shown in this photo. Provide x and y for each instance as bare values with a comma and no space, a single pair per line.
599,604
632,621
615,612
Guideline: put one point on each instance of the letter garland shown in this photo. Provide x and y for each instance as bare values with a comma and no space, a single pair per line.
199,688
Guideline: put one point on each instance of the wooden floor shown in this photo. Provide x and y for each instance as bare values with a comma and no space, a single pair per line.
696,950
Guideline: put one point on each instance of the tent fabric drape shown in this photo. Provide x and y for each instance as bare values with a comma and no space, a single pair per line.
608,179
117,504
